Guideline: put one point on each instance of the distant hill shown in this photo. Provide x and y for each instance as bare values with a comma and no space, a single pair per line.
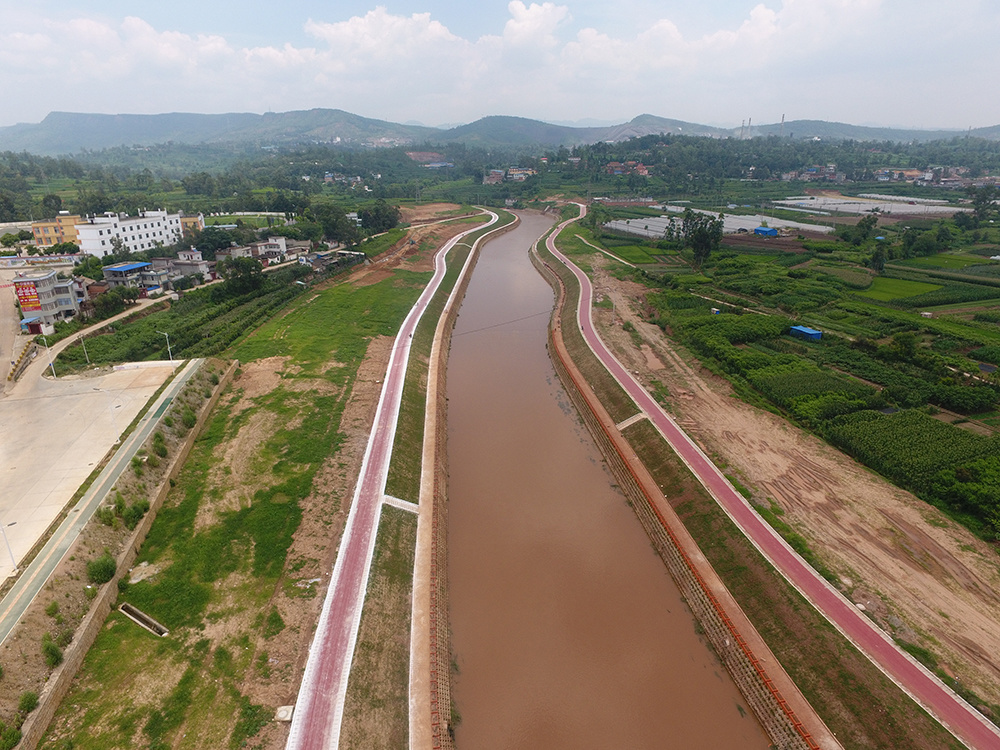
839,131
68,133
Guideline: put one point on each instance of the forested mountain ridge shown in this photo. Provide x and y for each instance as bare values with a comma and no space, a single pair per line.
67,132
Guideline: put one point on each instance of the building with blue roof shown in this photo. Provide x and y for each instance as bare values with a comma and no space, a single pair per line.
804,332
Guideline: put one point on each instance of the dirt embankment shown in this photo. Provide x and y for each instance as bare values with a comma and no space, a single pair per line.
920,576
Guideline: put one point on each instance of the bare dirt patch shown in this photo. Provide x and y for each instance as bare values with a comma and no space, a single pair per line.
919,575
426,212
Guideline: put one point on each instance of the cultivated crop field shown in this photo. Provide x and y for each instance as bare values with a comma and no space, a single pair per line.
886,290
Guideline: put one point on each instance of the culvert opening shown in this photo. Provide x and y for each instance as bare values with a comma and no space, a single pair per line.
141,618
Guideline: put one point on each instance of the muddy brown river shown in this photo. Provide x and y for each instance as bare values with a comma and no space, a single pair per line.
567,630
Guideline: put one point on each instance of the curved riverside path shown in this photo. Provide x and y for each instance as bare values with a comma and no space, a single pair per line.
967,724
319,708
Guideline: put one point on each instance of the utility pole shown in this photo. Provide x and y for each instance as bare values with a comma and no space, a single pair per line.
170,355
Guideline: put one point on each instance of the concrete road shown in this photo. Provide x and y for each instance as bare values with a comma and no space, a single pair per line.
52,435
967,724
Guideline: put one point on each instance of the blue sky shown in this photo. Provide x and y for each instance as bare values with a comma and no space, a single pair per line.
914,63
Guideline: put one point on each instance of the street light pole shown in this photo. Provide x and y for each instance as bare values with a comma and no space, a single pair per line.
83,341
13,562
169,354
49,353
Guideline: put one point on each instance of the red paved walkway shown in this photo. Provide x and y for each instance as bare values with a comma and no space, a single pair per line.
961,719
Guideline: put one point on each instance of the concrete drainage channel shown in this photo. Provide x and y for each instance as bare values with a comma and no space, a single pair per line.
141,618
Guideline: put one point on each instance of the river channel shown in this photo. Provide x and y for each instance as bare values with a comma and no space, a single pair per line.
567,630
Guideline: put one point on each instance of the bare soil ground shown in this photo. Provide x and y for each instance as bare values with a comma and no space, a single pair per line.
923,578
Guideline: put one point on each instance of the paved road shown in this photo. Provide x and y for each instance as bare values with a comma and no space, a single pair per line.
32,580
961,719
320,705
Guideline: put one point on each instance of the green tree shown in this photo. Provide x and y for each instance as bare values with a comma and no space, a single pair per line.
51,205
877,261
702,234
984,201
242,275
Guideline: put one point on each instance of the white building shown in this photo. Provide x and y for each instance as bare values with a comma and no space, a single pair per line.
142,232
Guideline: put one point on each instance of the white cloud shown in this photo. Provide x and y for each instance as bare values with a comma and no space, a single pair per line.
830,59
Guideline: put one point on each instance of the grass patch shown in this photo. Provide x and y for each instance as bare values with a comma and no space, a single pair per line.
375,711
886,290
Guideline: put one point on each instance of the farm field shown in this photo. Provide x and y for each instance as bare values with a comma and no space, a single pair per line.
885,290
948,261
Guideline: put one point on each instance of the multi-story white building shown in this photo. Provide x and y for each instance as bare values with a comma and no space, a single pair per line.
143,232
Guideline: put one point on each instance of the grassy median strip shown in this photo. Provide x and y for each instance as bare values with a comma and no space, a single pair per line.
375,712
618,403
407,450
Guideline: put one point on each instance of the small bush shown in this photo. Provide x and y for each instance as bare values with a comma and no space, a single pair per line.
51,651
134,513
52,609
9,737
64,638
159,445
188,418
137,465
90,592
101,569
28,702
274,624
168,421
106,515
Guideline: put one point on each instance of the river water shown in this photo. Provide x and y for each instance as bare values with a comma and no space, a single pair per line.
567,630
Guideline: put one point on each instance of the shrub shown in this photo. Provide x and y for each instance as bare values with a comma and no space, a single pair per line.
188,418
52,609
101,569
9,737
51,651
134,513
159,445
28,702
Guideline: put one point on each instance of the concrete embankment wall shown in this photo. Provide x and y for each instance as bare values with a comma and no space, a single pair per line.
735,640
62,678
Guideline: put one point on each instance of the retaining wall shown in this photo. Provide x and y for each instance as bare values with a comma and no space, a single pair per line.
61,679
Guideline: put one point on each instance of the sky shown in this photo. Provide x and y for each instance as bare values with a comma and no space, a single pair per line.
899,63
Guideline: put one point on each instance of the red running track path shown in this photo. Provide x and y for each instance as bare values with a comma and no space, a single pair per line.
319,708
967,724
